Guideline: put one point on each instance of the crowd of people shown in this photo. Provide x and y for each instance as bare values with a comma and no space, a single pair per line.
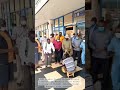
103,44
57,45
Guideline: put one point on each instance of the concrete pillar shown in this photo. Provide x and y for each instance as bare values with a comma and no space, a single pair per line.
50,25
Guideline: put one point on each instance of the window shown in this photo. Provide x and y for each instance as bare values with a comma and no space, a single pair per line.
61,21
56,23
68,19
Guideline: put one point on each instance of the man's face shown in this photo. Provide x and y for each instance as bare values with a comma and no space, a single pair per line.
60,34
48,41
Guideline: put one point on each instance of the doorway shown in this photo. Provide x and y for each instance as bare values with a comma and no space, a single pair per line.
69,30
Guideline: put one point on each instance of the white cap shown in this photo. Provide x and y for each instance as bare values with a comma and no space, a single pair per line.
66,36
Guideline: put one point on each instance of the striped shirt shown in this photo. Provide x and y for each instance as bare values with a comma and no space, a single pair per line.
69,63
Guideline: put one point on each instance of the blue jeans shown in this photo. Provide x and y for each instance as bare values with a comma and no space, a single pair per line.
115,74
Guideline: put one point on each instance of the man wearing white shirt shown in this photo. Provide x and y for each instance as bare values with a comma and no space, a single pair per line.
48,50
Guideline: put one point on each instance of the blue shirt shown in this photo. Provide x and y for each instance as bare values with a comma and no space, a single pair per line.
114,46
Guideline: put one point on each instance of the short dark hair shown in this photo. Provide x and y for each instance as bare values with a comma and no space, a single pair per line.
48,39
94,19
52,35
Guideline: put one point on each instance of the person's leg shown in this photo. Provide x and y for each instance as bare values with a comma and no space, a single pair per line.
74,54
115,74
105,69
43,56
59,56
61,53
46,59
56,56
49,59
94,69
19,69
79,57
83,58
11,71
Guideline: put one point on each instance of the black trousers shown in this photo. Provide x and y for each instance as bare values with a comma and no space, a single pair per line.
77,54
58,55
101,66
11,71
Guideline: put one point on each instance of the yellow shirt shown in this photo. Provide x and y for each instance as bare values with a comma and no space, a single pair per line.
62,38
56,37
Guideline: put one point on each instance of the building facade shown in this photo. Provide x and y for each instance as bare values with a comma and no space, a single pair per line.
60,19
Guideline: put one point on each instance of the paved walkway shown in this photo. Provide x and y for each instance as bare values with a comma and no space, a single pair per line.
54,75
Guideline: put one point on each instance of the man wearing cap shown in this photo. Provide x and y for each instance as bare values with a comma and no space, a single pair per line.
66,45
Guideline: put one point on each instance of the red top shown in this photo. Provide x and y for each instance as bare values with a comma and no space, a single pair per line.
57,44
